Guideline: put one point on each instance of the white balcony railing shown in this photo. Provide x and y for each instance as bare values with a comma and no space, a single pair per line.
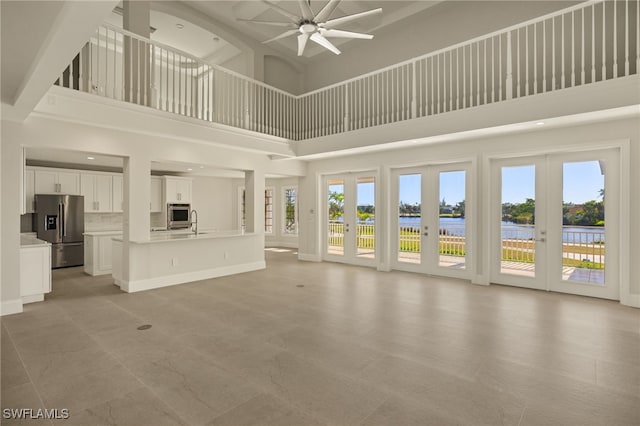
591,42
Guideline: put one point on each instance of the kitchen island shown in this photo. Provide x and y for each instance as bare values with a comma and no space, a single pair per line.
35,268
176,258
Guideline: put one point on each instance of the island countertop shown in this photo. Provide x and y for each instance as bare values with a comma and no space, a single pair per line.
163,237
27,241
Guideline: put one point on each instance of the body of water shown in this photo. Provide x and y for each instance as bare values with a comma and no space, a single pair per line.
570,234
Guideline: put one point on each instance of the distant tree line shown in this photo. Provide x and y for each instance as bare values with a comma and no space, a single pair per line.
590,213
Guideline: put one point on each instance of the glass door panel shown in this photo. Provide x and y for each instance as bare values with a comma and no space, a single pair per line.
335,217
518,255
409,217
517,226
365,217
583,222
452,223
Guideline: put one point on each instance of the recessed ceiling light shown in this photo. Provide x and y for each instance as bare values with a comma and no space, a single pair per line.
189,169
202,167
91,158
179,26
540,123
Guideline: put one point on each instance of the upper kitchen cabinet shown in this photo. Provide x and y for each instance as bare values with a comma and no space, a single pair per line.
29,190
55,181
177,190
97,191
156,195
118,195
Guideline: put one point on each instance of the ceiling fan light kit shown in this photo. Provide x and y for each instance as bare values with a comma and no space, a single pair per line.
317,27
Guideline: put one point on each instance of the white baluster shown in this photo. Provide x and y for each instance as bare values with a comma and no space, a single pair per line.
562,79
553,54
526,61
493,69
484,67
593,42
626,37
604,47
544,56
518,86
573,49
535,58
615,39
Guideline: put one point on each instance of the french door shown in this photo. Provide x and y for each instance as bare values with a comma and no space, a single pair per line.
431,225
553,218
350,218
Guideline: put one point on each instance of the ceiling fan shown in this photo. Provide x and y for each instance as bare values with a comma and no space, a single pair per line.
315,26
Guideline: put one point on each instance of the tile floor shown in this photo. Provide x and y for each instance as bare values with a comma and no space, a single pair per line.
353,346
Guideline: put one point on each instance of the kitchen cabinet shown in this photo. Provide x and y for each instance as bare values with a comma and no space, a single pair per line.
29,191
177,190
98,247
117,200
56,181
156,195
35,269
97,190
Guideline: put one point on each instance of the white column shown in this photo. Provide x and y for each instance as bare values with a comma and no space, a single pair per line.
254,184
11,302
136,222
137,198
136,19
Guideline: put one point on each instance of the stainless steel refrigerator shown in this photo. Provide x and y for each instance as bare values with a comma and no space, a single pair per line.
60,220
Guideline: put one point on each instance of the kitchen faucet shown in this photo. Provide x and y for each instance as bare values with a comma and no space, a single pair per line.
194,222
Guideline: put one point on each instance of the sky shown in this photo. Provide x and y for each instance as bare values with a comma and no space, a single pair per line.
582,182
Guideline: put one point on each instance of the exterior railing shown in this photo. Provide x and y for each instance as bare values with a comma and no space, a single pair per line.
583,248
593,41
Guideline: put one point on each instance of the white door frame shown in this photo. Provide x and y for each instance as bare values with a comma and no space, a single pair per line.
549,231
429,256
350,220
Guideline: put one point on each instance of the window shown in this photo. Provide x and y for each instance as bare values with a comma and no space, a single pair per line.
268,211
290,211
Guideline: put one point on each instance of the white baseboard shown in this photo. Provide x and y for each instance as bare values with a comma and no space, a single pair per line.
632,300
33,298
9,307
158,282
309,257
480,280
282,243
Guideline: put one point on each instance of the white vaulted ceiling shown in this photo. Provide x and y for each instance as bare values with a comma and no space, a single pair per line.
228,13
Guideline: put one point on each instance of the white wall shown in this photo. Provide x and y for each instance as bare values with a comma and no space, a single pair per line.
549,140
440,26
10,228
213,200
281,74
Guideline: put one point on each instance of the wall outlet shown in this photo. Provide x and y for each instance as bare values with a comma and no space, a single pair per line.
174,261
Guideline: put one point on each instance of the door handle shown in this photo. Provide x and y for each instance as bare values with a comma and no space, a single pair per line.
542,240
59,219
426,234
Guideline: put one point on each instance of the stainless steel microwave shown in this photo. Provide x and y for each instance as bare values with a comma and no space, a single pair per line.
178,216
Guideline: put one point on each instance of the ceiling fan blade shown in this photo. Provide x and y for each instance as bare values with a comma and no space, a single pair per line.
274,24
338,21
326,11
284,12
283,35
324,43
305,9
344,34
302,42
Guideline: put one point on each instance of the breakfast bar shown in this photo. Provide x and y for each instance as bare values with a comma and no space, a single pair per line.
176,258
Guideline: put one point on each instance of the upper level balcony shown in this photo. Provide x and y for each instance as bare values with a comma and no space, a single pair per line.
589,45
